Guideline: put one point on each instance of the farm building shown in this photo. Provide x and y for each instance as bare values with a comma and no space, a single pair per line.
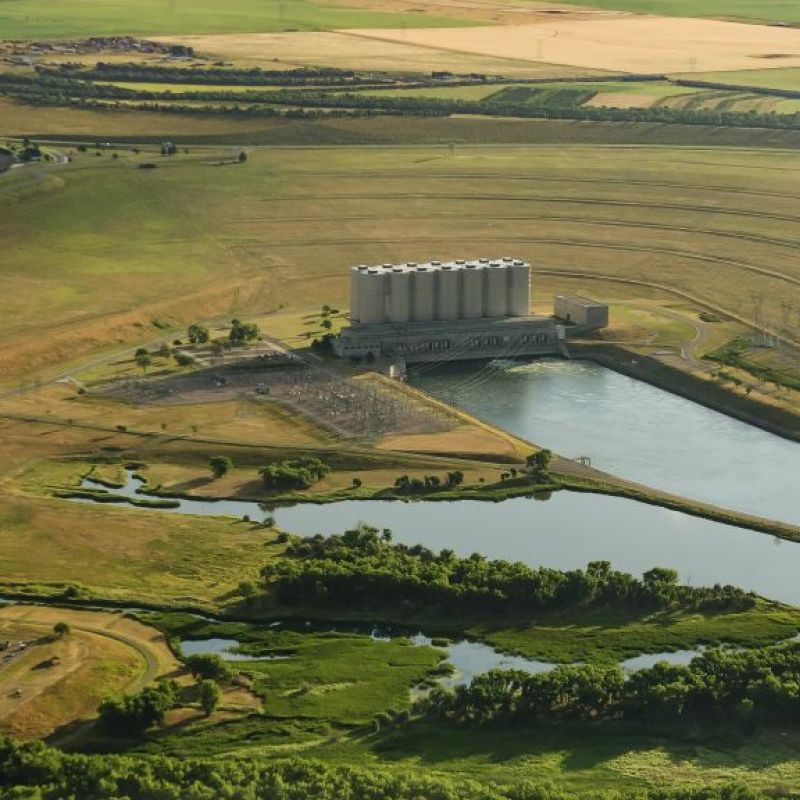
444,311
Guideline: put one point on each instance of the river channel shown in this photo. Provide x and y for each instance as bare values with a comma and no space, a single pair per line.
565,531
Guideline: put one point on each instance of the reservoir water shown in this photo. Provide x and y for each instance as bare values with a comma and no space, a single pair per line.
629,428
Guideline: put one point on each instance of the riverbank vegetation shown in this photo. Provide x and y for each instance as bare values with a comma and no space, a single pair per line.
729,687
363,570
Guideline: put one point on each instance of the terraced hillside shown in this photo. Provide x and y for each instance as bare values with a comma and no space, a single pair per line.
713,225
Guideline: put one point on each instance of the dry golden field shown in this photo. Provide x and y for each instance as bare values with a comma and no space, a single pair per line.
640,44
57,681
354,50
125,247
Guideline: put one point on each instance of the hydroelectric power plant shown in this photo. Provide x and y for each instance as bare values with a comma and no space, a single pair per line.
455,310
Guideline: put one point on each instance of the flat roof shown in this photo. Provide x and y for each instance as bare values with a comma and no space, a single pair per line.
437,266
580,300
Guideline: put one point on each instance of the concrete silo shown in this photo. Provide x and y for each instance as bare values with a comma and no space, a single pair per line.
519,289
423,293
496,290
372,296
472,291
448,291
399,308
355,282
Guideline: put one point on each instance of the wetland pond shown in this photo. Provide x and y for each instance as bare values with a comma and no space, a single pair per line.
468,658
628,428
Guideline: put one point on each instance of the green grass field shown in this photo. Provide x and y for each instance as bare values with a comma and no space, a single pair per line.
603,635
787,78
739,10
580,757
30,19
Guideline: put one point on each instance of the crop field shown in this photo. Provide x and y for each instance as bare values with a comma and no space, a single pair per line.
30,19
644,45
764,11
776,78
351,50
300,218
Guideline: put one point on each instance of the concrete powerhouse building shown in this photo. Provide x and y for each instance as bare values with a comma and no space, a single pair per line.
444,311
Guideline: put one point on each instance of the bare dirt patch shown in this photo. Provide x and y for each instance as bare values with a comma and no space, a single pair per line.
641,44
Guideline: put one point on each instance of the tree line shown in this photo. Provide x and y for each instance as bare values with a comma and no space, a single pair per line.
34,771
57,91
720,686
156,73
363,570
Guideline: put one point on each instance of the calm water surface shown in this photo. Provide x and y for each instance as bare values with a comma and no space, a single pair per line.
565,532
631,429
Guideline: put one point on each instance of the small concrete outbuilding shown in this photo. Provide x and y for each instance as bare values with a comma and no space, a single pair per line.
581,311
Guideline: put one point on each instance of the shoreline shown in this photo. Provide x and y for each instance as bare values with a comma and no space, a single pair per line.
649,369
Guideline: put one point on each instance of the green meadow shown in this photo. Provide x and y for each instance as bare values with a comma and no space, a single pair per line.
30,19
765,11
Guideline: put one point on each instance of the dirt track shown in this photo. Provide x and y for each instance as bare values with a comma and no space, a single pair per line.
25,680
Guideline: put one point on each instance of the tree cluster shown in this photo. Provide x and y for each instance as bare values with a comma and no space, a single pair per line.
295,473
133,714
742,687
362,569
156,73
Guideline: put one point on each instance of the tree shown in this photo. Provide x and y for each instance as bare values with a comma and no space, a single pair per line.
209,696
220,465
208,666
135,713
242,157
455,478
539,462
242,332
61,629
356,483
198,334
327,324
143,361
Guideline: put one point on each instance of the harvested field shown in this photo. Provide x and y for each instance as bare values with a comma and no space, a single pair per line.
350,50
626,43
